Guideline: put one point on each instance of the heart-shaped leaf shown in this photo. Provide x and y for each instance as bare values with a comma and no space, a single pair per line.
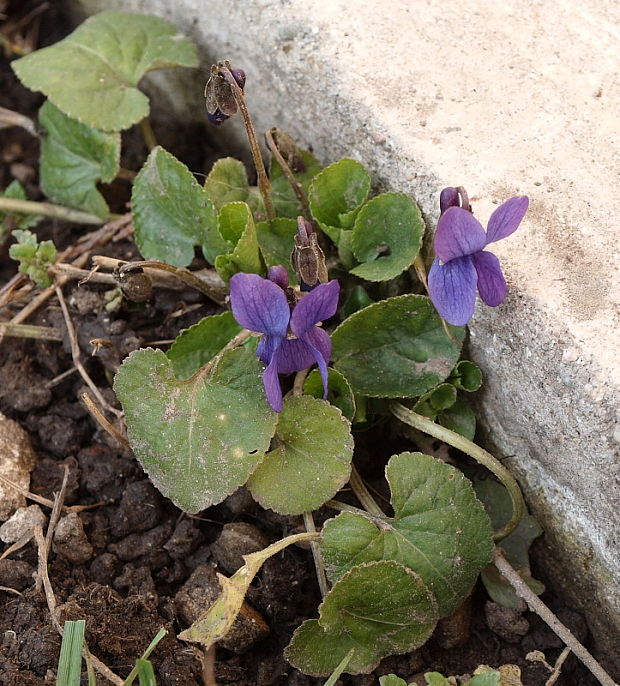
227,182
377,608
387,236
195,346
439,529
74,157
339,390
92,74
336,195
171,212
276,240
311,461
198,439
237,228
395,348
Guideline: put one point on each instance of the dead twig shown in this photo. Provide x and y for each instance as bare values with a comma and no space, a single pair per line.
59,501
537,606
557,668
102,421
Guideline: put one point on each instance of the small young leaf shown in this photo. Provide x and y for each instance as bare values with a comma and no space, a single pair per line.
340,393
198,439
227,182
437,679
15,220
516,546
311,461
74,157
34,258
236,226
378,608
460,418
70,661
437,399
276,240
387,236
439,529
171,212
395,348
391,680
466,376
195,346
336,195
284,199
92,74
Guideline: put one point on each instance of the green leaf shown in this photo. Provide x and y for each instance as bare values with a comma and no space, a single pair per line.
92,74
339,390
336,195
460,418
356,300
276,240
15,220
437,399
146,674
437,679
439,529
311,461
236,226
34,258
387,236
489,678
74,157
391,680
466,376
70,661
195,346
284,199
516,546
395,348
227,182
378,608
198,439
150,648
171,212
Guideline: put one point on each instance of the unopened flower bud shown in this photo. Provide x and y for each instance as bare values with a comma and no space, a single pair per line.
279,276
454,197
307,257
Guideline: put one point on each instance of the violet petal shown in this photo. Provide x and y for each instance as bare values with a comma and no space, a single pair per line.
259,305
449,197
293,356
452,288
506,218
320,304
320,345
458,234
491,282
278,275
273,390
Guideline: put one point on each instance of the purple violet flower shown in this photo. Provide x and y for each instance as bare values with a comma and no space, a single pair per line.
462,266
291,340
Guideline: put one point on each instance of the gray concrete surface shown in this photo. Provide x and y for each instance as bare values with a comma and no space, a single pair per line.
505,98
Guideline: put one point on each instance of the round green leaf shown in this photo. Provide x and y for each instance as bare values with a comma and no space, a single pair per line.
74,157
439,529
339,391
396,348
276,240
387,236
227,182
311,461
378,608
466,376
336,194
195,346
92,74
198,439
171,212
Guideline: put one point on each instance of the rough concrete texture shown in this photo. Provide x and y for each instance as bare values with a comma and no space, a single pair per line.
505,98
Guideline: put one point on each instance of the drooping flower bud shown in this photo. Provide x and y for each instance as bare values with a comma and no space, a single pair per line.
454,197
279,276
221,101
307,257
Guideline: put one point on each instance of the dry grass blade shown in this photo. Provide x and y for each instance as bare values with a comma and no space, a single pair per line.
97,415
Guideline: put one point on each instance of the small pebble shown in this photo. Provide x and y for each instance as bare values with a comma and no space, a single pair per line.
235,540
15,574
17,459
506,622
70,540
22,523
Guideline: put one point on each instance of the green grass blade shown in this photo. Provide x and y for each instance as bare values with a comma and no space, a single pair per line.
70,661
151,647
340,668
146,675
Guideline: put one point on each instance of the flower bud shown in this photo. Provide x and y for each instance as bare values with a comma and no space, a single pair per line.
307,257
279,276
454,197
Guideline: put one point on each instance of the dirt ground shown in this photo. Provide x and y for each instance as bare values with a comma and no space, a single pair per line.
126,567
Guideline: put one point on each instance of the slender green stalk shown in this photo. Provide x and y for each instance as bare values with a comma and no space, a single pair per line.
482,456
47,209
316,554
363,494
147,133
335,675
47,333
295,185
151,647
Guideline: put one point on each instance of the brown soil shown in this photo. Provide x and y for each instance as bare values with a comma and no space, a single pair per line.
124,576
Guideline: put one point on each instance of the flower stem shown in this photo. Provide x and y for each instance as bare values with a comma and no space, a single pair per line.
363,495
240,338
46,209
148,134
263,181
316,554
468,447
536,605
